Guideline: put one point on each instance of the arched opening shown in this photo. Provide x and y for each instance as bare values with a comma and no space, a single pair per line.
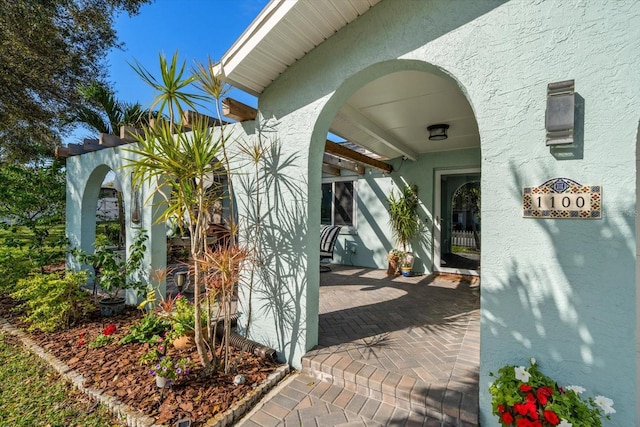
420,327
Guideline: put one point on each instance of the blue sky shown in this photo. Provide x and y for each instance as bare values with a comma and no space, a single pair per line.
196,28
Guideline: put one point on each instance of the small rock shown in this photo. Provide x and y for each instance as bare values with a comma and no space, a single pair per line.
239,379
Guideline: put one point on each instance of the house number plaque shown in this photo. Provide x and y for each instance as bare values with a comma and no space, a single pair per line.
562,198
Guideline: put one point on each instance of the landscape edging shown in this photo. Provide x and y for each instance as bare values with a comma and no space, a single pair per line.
133,417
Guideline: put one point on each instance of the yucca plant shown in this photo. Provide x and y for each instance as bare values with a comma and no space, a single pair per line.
180,165
403,216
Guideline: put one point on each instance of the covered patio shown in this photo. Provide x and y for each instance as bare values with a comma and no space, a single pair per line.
391,350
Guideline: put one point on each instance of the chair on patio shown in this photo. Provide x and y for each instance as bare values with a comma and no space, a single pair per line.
328,237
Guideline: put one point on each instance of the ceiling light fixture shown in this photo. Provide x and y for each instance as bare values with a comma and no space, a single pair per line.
438,132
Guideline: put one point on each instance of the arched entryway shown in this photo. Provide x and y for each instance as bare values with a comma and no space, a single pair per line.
421,330
85,176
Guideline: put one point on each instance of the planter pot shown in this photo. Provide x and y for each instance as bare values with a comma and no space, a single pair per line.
111,306
186,341
161,381
406,271
394,265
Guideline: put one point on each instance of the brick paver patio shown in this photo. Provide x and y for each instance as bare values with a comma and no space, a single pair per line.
392,351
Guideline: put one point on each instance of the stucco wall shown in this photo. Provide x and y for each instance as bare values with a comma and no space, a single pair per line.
84,176
559,290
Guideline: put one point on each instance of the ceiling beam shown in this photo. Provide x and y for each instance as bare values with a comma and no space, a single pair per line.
92,145
375,131
189,117
127,133
330,170
236,110
62,152
108,140
75,149
344,152
339,163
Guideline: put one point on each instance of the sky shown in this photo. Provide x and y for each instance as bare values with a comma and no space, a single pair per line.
197,29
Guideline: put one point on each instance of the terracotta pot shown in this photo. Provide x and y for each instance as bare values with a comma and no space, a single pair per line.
186,341
392,269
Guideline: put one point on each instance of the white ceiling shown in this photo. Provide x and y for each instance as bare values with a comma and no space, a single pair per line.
387,117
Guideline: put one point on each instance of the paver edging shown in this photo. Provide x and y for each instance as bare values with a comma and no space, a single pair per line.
133,417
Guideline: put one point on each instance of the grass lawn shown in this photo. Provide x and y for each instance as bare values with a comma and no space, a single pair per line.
25,236
32,394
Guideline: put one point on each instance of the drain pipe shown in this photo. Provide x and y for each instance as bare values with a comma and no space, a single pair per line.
242,343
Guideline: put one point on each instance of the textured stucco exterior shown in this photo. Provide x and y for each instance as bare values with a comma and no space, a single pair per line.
562,291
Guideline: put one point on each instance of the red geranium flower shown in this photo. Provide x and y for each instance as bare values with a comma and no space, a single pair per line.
525,388
551,418
526,422
525,409
501,409
543,393
507,418
520,408
110,329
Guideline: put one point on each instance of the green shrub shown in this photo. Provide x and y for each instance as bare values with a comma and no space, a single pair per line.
15,264
150,327
52,302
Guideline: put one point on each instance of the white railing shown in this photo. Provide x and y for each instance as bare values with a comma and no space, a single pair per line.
463,238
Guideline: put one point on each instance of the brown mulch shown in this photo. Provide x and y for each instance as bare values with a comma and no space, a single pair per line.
115,369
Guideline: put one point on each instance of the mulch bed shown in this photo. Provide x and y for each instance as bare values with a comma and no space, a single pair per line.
115,369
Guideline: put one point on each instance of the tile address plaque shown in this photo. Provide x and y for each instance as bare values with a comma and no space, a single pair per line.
562,198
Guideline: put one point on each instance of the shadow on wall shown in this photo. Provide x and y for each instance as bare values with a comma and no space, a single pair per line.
571,305
277,226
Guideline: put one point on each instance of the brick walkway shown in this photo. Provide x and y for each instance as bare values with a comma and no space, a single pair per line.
400,351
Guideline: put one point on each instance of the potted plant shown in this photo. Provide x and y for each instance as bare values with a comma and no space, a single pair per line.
165,368
405,223
525,396
407,264
394,262
113,274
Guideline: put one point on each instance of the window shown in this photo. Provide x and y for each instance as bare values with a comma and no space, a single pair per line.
338,203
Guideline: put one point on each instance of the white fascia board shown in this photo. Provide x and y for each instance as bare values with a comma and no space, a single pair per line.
265,22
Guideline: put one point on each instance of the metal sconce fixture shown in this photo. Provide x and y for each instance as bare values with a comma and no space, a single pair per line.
560,116
136,217
438,132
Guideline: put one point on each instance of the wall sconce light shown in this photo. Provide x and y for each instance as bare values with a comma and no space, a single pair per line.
560,115
136,217
438,132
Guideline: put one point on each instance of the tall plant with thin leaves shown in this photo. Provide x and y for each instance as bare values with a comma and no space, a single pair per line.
180,167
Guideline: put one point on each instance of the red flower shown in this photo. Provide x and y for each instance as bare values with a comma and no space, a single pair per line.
543,393
81,335
525,388
520,408
531,398
526,422
528,408
81,343
507,418
501,409
110,329
551,418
